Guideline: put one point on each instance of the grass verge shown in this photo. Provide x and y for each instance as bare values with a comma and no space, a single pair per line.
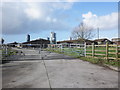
99,61
9,53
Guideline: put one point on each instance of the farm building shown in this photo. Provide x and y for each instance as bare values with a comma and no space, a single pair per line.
36,42
79,41
116,40
103,41
33,43
12,44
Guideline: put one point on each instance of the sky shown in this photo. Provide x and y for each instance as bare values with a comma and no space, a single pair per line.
40,18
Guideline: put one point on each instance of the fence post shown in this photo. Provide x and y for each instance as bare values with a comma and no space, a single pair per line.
85,49
43,46
61,47
117,52
107,51
53,47
93,49
6,50
40,49
49,46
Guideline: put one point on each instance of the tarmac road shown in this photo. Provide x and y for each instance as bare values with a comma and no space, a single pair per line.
55,71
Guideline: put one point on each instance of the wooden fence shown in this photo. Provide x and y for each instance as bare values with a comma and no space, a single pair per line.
106,51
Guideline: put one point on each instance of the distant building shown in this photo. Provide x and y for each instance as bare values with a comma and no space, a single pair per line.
28,38
53,38
37,42
70,38
116,40
78,41
103,41
14,44
48,38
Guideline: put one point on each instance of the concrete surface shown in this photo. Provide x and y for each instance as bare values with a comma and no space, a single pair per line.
55,71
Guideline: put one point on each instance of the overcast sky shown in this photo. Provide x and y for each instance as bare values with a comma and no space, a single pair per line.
40,18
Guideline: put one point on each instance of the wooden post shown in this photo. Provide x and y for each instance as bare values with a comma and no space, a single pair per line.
93,49
107,51
117,52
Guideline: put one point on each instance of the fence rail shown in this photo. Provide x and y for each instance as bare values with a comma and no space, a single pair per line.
103,51
97,51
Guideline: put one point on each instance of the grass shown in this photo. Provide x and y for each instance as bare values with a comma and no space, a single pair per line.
9,53
99,60
69,51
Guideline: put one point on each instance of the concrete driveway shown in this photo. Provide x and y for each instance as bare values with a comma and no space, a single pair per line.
55,71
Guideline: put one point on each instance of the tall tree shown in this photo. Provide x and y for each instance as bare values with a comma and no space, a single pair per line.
82,32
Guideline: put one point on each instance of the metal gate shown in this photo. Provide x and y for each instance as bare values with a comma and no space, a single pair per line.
69,49
23,52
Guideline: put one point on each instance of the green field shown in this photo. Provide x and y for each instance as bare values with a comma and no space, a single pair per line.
76,52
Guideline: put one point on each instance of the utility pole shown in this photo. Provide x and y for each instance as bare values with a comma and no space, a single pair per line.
98,32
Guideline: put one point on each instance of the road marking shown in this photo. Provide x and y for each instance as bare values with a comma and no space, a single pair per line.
47,74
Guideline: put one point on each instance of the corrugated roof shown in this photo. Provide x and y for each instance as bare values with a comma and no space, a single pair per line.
36,40
70,41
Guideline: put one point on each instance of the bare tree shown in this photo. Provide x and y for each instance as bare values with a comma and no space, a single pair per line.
82,32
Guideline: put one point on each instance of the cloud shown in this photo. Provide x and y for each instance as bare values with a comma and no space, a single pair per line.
106,22
43,1
33,13
62,5
51,20
26,17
